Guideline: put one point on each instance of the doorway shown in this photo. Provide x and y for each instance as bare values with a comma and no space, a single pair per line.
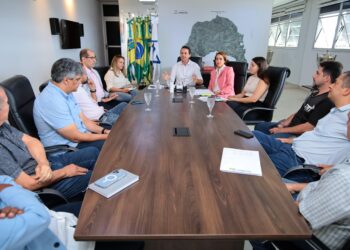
111,31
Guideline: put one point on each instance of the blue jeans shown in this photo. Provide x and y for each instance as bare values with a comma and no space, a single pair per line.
96,144
281,154
112,115
286,181
266,126
126,97
72,186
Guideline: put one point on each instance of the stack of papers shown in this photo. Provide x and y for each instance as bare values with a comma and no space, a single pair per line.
203,92
240,161
217,99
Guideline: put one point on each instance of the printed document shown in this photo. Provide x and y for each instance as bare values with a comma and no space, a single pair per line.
203,92
240,161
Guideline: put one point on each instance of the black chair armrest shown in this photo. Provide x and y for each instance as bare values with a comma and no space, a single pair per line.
56,148
306,169
256,109
309,244
51,197
105,125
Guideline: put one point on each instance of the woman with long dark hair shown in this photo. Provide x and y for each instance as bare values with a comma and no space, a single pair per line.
254,91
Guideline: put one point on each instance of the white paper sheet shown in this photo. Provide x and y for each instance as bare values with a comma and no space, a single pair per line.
240,161
217,99
205,92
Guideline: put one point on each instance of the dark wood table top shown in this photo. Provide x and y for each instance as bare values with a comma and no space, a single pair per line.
182,194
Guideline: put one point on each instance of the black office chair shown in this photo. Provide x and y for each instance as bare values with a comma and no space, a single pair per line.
21,101
309,244
196,59
277,77
102,70
240,69
43,85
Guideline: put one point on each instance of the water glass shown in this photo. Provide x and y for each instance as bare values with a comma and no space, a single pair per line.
157,85
210,103
148,97
192,91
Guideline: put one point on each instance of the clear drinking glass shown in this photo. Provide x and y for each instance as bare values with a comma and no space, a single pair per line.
157,85
148,97
194,79
210,103
180,83
192,90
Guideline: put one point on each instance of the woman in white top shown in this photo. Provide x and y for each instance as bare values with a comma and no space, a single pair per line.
254,91
117,82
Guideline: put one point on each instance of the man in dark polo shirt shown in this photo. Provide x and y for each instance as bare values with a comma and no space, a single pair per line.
23,158
316,105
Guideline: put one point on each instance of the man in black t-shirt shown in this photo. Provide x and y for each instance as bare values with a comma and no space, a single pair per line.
316,105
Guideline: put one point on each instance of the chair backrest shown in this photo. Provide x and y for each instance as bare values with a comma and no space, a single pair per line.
196,59
240,69
21,100
43,86
102,70
277,77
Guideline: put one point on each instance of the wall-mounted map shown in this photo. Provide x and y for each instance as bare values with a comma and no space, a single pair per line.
215,35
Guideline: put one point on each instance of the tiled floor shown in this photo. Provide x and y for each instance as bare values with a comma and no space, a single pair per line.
290,101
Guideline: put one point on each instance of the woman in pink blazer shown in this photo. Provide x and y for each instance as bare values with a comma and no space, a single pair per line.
222,77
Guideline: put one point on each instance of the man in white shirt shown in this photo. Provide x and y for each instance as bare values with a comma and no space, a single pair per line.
185,71
88,60
91,109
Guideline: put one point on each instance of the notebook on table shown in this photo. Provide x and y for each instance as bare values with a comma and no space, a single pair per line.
113,182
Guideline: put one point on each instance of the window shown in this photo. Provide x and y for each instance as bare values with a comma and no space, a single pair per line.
285,30
333,29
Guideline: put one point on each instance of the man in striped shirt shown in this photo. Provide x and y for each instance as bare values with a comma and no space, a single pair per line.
325,204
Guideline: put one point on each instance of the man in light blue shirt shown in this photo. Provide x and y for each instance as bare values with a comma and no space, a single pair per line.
326,144
57,116
27,226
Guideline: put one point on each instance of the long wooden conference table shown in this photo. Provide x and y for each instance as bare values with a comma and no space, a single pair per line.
183,200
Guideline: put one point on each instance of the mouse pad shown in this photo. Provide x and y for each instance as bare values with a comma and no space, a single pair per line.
181,131
177,100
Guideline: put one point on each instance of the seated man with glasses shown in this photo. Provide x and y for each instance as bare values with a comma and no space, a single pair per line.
105,99
91,109
58,117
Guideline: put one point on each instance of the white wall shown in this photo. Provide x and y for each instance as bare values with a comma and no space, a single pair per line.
251,17
27,46
302,60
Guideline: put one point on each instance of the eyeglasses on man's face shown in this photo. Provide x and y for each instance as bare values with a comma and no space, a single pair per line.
91,57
